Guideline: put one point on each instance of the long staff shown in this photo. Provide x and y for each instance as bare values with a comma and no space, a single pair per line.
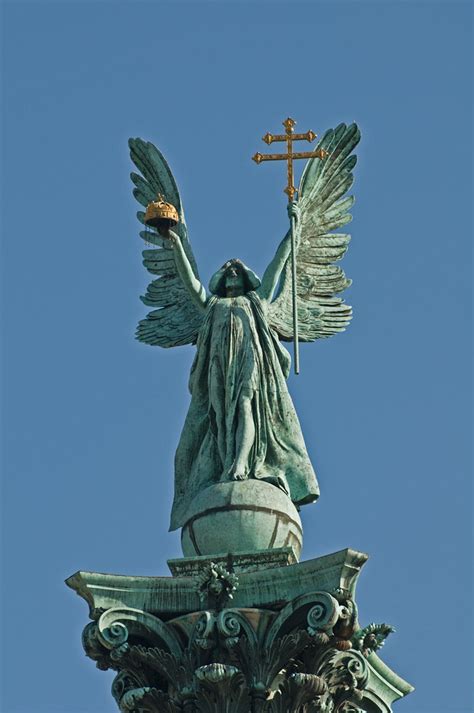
296,350
289,136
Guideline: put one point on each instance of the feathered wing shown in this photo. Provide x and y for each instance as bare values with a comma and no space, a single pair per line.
324,209
175,320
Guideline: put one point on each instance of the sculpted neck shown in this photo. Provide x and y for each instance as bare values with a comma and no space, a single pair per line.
234,292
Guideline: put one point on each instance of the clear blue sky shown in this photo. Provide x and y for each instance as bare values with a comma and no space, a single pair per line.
91,417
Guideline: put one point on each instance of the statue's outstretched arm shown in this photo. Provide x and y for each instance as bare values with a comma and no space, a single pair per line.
186,272
272,273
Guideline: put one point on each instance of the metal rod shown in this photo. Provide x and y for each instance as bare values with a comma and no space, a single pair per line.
289,136
296,361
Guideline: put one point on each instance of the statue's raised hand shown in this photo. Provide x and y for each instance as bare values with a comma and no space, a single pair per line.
323,207
176,317
172,239
294,211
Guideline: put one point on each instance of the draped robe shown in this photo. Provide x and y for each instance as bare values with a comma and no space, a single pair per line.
238,355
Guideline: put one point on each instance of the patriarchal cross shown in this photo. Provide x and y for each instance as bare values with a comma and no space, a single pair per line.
289,136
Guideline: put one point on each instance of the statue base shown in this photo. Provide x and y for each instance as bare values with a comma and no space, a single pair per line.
234,562
239,633
253,513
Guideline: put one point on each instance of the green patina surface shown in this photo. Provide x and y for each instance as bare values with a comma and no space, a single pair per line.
241,626
261,637
241,423
249,515
260,585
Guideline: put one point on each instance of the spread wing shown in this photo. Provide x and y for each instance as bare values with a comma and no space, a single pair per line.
175,320
324,209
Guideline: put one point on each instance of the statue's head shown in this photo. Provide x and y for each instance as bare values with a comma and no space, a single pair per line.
233,279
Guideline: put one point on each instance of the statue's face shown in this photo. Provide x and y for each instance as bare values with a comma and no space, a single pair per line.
234,280
216,587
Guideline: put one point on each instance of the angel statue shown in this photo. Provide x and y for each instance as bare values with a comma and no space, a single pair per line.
241,423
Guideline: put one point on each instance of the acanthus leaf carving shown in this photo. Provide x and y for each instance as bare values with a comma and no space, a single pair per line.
262,662
130,689
221,688
177,672
371,638
236,660
299,693
346,674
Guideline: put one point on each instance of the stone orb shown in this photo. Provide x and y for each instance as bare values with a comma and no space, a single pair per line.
242,516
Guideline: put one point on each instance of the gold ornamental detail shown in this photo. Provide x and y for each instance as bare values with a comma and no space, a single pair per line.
289,136
160,213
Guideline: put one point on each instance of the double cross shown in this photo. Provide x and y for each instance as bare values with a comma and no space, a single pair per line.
289,136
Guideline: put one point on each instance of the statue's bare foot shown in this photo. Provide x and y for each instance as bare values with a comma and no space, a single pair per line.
239,476
237,472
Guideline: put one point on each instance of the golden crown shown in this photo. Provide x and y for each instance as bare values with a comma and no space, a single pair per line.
159,211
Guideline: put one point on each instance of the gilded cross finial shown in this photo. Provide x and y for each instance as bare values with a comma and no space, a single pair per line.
289,136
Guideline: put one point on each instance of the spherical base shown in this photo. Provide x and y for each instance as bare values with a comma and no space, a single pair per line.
242,516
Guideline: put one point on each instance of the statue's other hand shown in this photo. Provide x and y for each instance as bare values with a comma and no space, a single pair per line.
294,211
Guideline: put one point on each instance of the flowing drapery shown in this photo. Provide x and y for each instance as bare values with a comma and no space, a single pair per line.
238,355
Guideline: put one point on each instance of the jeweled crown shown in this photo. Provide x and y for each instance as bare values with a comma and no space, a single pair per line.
158,211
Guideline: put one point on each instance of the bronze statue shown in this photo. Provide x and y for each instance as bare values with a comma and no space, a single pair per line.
241,422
